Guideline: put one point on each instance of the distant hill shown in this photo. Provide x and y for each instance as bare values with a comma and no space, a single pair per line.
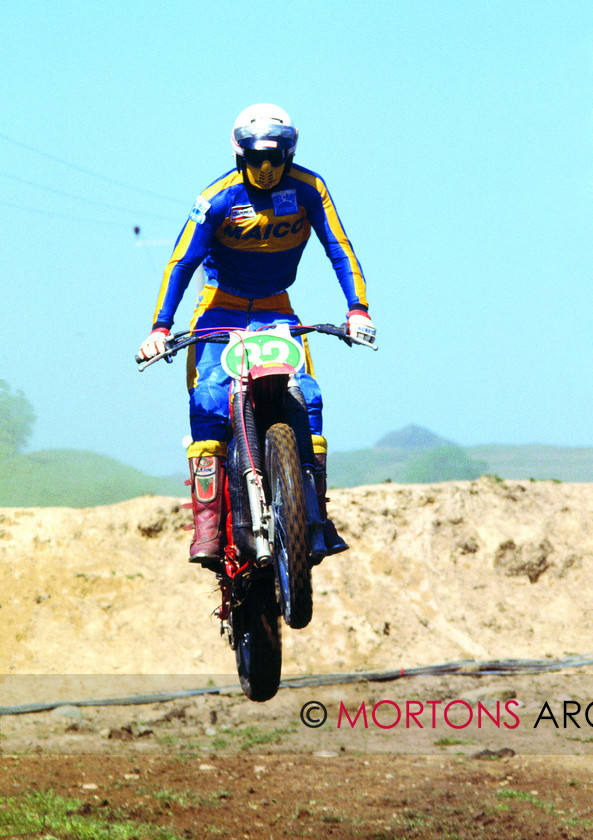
562,463
412,437
75,478
391,458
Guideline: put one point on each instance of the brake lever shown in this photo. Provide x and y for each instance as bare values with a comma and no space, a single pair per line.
362,343
167,356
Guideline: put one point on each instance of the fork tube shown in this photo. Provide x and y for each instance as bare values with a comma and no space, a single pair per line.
245,432
250,466
259,516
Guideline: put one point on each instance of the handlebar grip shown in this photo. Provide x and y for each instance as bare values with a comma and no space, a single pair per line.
340,332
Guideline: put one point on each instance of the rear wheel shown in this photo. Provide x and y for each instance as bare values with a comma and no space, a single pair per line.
287,502
256,639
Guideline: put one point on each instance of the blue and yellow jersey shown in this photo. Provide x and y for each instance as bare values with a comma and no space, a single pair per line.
250,241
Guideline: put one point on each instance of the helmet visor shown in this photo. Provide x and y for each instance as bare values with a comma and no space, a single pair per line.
266,136
256,157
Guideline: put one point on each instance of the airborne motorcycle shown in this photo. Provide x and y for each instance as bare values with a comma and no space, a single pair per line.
273,526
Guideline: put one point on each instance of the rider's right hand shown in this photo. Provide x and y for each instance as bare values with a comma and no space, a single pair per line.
154,344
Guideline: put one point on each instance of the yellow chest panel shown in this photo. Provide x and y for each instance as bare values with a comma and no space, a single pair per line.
247,230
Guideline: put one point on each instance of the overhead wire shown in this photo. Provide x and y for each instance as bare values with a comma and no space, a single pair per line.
53,215
84,199
49,213
86,171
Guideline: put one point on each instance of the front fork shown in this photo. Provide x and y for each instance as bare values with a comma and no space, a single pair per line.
249,468
260,517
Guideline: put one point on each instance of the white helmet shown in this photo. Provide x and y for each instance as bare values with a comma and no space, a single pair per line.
264,140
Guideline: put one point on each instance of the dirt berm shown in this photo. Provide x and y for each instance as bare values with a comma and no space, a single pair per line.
483,569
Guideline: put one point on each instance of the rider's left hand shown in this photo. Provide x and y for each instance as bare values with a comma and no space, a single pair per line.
360,326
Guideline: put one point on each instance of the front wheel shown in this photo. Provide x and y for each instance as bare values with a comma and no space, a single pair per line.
256,639
287,502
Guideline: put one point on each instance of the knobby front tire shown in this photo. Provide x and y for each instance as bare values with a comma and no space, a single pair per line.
287,501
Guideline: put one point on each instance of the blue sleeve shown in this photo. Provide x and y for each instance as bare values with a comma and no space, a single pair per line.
190,249
328,227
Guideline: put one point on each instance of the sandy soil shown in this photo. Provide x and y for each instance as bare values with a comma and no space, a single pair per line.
101,603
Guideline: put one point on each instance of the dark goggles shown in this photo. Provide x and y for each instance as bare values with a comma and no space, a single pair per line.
256,157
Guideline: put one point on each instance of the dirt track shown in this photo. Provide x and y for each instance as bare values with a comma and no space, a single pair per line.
476,571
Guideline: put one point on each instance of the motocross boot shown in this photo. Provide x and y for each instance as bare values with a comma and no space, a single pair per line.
207,492
334,543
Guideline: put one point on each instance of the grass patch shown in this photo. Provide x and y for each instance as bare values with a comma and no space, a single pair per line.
548,807
414,821
523,796
188,798
248,737
252,736
450,742
54,817
331,818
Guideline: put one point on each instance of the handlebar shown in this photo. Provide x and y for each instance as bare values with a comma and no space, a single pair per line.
220,335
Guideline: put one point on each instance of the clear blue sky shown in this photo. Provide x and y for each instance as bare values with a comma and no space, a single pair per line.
456,139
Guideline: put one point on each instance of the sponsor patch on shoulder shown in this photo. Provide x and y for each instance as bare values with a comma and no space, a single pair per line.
285,202
199,210
242,211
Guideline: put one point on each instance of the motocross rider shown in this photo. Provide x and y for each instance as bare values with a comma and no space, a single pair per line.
249,229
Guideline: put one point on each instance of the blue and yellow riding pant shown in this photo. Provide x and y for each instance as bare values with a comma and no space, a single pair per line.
208,384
